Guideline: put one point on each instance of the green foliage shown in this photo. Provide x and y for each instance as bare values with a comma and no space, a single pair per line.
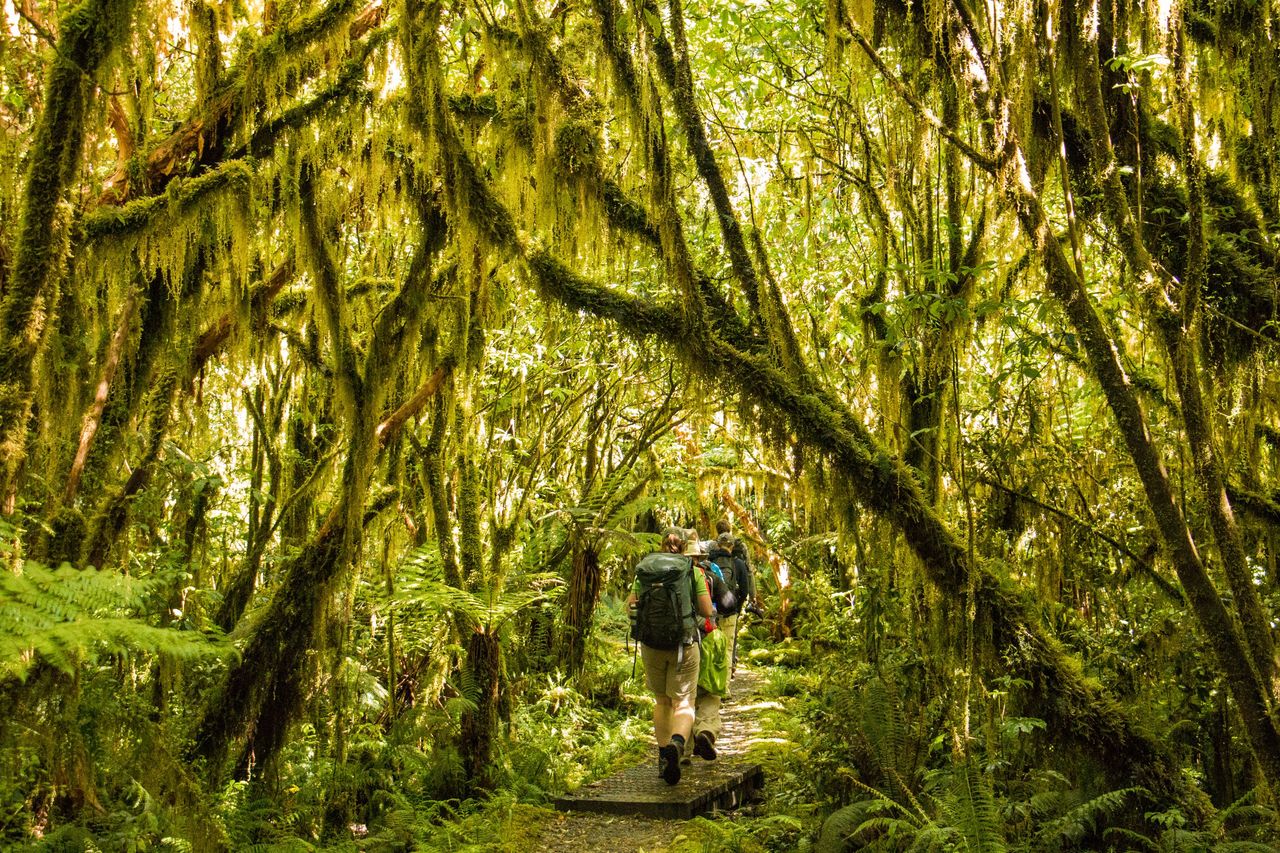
525,146
69,618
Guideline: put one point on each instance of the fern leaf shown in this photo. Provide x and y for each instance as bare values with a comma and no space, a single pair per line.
974,812
67,616
1085,818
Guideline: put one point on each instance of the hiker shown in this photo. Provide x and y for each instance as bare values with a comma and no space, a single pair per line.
713,667
671,602
724,597
737,577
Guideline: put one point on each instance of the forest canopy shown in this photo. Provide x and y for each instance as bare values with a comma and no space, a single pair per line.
352,354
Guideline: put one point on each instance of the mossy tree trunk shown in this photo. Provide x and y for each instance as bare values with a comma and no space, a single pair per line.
584,592
264,691
90,32
483,672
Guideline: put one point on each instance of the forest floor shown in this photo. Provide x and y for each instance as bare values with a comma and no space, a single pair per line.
580,832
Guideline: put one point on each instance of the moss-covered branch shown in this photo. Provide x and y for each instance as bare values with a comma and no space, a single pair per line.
217,118
182,198
1170,590
212,339
347,88
391,425
1259,505
89,33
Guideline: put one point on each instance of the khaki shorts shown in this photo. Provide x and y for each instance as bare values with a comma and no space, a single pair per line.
673,674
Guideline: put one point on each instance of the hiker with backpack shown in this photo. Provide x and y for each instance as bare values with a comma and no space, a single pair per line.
746,581
737,577
672,602
713,668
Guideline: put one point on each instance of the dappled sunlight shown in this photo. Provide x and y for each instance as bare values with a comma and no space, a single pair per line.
354,356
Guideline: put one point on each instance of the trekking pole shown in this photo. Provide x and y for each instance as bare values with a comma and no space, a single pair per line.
635,646
733,660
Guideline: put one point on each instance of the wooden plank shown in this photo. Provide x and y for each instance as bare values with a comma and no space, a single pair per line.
704,787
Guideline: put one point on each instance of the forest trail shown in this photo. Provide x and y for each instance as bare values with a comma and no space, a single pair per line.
581,832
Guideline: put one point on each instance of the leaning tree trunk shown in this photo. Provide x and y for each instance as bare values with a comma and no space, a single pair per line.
264,691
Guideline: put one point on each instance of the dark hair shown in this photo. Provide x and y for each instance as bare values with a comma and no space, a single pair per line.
722,526
673,544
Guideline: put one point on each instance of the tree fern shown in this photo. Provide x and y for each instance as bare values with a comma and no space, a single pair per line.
67,616
479,608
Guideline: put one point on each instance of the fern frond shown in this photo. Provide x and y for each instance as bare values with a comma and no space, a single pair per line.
1131,837
631,509
972,810
67,616
887,800
933,838
863,820
511,603
438,596
1085,818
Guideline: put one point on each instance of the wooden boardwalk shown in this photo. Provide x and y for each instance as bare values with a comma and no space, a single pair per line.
704,787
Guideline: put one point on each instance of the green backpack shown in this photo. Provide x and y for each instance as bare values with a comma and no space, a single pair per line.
664,611
713,664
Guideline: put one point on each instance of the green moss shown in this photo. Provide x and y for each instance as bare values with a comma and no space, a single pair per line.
68,530
517,116
180,198
474,106
577,149
89,33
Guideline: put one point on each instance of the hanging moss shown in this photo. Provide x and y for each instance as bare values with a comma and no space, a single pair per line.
68,531
180,199
577,149
88,35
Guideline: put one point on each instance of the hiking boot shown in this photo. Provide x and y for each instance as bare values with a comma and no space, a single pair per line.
704,746
669,763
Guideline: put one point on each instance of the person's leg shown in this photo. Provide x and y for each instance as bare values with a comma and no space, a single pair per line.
729,624
659,672
658,669
707,724
686,686
662,720
702,710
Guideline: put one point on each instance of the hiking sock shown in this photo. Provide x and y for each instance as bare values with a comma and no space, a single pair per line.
704,746
679,742
669,763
